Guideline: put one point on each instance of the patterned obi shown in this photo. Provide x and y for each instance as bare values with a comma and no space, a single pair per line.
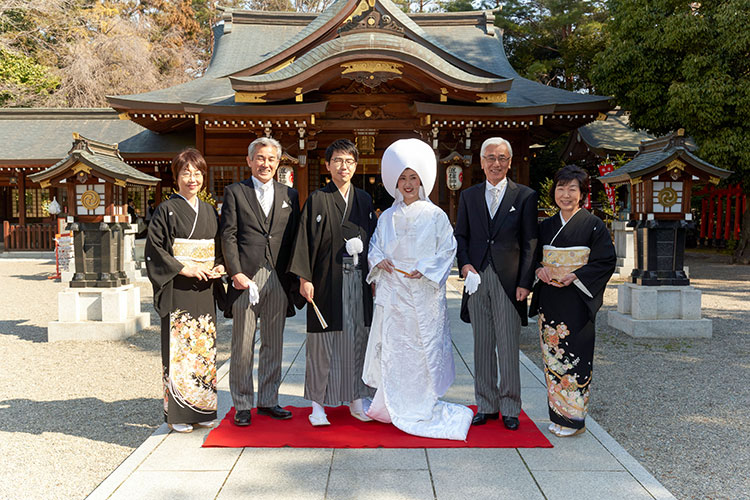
560,261
194,253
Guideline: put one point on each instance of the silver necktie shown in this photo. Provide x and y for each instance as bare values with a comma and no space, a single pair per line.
495,201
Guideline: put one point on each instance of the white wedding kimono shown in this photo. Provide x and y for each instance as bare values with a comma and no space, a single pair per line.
409,353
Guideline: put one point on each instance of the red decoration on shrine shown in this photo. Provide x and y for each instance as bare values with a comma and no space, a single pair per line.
610,190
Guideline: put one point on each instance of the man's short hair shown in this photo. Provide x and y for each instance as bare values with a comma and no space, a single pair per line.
344,146
262,142
496,141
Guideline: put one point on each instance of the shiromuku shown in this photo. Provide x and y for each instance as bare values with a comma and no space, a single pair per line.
409,357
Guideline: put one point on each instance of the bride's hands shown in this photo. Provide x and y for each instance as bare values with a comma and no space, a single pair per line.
386,265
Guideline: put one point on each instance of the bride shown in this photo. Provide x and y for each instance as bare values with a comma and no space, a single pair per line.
409,357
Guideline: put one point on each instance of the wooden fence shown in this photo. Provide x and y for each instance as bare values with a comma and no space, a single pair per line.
721,212
29,236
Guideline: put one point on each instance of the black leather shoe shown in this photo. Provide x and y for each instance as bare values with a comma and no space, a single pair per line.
276,412
481,418
242,418
511,423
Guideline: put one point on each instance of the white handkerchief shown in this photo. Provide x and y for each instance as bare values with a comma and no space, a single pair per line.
284,204
353,247
318,218
471,283
512,209
252,293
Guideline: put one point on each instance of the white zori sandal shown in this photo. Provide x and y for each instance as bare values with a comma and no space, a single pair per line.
318,421
183,428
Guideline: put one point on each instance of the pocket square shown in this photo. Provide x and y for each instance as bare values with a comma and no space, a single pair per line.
284,204
512,209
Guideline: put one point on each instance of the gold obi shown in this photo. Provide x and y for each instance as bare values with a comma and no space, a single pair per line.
194,253
562,261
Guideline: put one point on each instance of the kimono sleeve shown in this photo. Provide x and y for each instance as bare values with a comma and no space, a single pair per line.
161,265
602,259
299,264
437,267
376,253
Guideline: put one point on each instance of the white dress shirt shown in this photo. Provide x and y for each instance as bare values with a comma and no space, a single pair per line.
488,194
264,193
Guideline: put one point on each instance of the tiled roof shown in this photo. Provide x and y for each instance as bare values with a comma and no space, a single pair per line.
43,135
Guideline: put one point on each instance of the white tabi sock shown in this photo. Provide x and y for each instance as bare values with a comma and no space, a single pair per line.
356,406
317,410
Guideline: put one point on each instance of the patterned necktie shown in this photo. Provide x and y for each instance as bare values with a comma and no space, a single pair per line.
495,201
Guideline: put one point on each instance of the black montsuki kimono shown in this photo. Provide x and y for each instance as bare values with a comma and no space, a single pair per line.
567,315
187,310
320,246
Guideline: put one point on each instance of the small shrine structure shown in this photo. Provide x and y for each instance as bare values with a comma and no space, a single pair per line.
100,303
659,301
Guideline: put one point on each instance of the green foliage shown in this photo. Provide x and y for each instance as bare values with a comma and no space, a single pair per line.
205,195
677,64
546,202
553,41
457,6
20,75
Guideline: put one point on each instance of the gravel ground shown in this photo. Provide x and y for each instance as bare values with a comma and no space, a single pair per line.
71,412
679,406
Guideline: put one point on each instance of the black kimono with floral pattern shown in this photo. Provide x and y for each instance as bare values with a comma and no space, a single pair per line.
567,315
187,310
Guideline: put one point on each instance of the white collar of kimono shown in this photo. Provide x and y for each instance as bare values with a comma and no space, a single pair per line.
413,154
193,205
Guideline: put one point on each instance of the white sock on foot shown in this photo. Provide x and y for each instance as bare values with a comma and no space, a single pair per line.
317,410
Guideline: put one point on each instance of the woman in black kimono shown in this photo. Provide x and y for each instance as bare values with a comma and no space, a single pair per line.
183,260
575,260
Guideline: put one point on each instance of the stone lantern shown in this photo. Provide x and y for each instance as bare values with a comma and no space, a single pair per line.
96,178
659,301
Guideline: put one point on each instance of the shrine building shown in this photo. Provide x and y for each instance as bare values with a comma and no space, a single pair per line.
361,70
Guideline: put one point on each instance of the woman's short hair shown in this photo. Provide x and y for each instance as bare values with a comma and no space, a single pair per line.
343,145
262,142
570,173
189,156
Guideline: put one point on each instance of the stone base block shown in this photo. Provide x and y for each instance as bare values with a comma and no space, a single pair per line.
660,328
659,302
98,314
97,330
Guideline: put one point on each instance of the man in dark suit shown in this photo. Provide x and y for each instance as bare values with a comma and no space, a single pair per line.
496,231
259,219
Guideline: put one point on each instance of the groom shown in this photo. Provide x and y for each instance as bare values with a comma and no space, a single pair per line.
496,231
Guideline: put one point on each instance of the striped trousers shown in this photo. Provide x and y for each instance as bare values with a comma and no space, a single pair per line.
334,360
497,329
271,309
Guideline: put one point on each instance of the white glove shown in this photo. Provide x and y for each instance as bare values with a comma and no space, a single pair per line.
353,247
252,293
471,283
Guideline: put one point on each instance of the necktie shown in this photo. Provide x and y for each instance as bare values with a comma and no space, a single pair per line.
495,201
264,200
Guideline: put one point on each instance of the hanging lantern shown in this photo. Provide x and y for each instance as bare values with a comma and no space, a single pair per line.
454,177
286,175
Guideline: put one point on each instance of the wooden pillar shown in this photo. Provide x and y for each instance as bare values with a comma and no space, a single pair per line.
21,198
70,183
302,181
200,136
109,208
521,159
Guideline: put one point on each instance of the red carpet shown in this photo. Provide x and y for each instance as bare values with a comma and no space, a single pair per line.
347,432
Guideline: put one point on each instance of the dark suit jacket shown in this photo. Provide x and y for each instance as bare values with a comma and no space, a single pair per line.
248,239
507,243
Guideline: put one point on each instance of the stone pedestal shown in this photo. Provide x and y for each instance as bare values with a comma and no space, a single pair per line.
659,312
129,266
624,248
98,314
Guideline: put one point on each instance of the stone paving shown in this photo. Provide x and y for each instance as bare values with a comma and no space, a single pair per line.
591,466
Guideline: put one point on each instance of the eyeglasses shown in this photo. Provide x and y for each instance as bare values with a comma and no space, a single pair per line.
186,174
349,162
492,159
